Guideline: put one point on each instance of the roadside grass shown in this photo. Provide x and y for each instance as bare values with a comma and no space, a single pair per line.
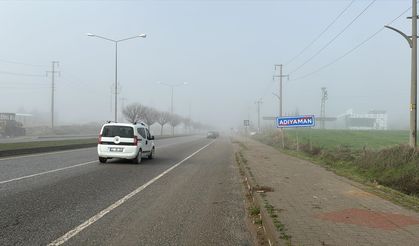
391,172
254,210
43,144
273,213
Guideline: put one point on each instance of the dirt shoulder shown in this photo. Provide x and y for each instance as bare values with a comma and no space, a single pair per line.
309,205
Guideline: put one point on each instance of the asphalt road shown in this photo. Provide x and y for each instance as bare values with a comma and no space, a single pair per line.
190,194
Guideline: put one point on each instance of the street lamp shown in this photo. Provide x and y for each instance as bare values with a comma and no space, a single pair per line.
116,62
412,40
172,86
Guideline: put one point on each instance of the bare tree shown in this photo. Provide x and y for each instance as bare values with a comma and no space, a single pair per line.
197,126
163,119
187,123
174,121
151,116
134,112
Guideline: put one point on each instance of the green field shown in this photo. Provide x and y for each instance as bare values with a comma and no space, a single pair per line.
354,139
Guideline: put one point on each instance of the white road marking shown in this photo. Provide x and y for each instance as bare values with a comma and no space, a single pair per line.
102,213
50,171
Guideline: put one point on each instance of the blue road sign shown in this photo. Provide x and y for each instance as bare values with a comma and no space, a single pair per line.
295,121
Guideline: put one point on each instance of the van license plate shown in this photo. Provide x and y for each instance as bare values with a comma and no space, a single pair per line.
112,149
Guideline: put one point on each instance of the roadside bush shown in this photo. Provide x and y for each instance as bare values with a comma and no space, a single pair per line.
396,167
310,150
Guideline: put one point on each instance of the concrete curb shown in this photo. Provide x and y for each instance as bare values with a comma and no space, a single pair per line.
267,223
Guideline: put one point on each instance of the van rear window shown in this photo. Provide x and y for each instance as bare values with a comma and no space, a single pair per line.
120,131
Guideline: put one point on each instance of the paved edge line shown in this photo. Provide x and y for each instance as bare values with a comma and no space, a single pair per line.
102,213
46,172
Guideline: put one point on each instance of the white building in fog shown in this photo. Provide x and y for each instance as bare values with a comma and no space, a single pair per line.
373,120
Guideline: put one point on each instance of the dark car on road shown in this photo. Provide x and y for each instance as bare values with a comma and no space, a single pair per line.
213,134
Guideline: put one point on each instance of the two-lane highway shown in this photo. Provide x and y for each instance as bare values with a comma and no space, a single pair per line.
189,194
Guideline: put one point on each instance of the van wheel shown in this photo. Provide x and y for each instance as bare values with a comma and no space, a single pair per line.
150,156
137,160
102,159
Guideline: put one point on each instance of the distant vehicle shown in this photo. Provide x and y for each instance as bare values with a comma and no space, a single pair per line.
9,127
213,134
125,141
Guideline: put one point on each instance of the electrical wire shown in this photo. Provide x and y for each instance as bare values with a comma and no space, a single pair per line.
21,63
21,74
321,33
268,88
351,50
334,38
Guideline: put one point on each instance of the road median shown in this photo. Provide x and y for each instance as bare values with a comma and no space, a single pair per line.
25,148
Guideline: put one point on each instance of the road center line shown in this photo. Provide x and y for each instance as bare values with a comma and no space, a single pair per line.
102,213
46,172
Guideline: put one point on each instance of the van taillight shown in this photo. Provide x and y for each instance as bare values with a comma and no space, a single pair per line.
135,140
99,141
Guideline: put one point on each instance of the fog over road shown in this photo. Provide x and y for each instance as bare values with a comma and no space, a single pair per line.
198,201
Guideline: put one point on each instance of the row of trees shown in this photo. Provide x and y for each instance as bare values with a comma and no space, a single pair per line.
137,112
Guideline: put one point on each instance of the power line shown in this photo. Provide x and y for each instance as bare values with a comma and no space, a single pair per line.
21,74
24,88
268,87
351,50
321,34
21,63
335,37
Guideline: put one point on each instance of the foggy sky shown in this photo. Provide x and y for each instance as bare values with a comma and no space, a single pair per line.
224,50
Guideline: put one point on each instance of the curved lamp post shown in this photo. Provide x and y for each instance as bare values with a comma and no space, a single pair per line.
116,62
412,40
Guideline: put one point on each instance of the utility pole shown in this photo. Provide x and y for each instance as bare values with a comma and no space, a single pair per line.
280,76
123,99
111,98
259,102
53,72
171,103
412,40
323,108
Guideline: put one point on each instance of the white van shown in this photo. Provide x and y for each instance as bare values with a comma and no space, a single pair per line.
126,141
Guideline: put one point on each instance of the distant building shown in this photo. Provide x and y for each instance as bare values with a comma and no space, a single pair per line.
373,120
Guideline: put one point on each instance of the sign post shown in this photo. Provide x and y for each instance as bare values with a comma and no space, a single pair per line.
246,124
295,122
